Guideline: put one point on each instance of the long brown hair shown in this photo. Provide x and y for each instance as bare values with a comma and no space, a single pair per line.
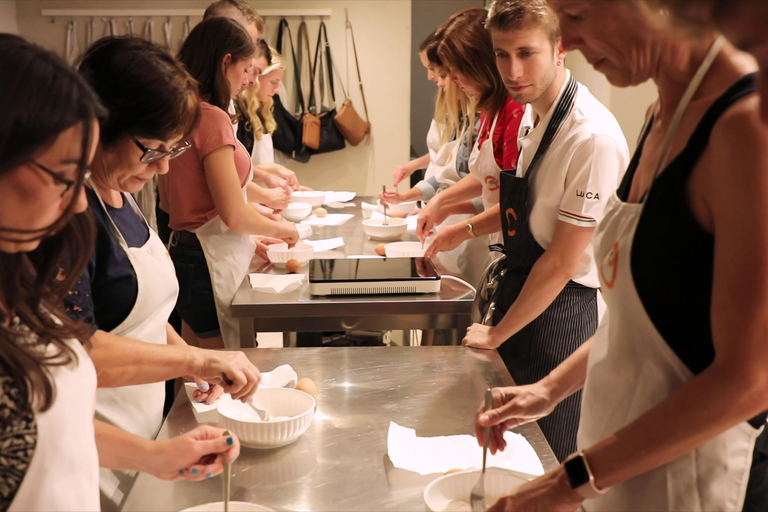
204,51
465,45
41,98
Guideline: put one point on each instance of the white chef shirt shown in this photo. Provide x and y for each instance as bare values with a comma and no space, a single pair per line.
578,173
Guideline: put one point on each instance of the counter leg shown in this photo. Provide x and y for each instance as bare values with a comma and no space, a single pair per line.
247,333
462,324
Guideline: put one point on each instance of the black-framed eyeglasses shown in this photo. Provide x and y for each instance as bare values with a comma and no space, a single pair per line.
150,155
68,184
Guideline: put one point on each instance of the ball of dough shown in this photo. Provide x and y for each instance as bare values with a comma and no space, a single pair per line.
292,266
380,250
307,385
397,215
320,212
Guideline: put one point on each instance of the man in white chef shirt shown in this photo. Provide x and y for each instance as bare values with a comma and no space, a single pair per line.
548,297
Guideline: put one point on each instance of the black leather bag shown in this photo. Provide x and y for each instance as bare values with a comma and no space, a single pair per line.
287,137
331,139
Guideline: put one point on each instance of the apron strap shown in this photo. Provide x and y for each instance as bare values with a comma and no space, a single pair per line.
562,110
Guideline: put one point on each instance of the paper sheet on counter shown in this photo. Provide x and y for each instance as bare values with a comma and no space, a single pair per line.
412,220
275,283
280,377
339,197
427,455
332,219
326,245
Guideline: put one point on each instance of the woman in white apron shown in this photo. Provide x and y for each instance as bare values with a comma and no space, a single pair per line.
464,46
49,458
674,397
207,191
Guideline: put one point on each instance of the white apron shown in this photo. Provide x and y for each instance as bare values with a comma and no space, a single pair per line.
631,369
139,409
263,150
483,166
228,254
64,472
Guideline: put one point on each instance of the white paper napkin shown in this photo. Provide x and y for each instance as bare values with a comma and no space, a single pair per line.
280,377
326,245
275,283
427,455
340,197
411,220
332,219
371,207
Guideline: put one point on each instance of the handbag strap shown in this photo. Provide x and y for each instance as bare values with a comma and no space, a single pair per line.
322,35
357,65
296,69
303,43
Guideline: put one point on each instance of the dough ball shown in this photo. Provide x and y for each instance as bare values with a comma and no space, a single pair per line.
307,385
320,212
380,250
292,266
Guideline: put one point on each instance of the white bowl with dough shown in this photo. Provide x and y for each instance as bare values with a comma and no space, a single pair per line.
405,207
291,411
314,197
234,506
296,212
377,230
450,493
404,250
279,254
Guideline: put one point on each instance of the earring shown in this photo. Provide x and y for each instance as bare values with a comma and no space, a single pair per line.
559,62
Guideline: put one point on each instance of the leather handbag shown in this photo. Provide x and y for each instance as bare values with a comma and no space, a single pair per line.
330,138
349,122
288,136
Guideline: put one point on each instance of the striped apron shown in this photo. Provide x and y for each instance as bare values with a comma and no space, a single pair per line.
570,320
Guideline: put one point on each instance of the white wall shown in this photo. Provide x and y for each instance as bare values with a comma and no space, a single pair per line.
8,17
383,32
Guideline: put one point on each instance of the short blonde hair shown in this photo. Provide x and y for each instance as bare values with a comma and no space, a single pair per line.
258,116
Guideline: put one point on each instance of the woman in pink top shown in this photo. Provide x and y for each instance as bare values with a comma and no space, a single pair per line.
208,190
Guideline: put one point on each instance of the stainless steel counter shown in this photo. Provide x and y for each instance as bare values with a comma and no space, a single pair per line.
300,311
341,462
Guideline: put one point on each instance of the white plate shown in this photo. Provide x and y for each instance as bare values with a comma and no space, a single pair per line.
234,506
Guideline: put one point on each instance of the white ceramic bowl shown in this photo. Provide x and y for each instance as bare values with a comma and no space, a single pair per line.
296,212
314,197
449,491
279,254
394,229
404,250
234,506
297,406
404,207
305,230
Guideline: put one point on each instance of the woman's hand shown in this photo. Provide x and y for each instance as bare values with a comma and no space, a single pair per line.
426,220
195,455
547,493
275,181
481,336
512,406
289,176
290,234
262,245
400,173
447,239
232,370
277,198
391,197
206,393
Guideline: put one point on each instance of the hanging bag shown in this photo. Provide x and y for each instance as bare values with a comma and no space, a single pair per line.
287,137
310,135
349,122
331,139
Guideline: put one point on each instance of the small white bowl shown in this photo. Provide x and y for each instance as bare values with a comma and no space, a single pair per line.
297,406
314,197
305,230
405,207
296,212
449,491
279,254
234,506
404,250
394,229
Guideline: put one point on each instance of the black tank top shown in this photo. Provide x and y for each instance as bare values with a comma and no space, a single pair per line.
672,255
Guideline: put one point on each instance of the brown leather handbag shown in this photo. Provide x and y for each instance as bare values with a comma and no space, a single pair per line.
310,132
349,122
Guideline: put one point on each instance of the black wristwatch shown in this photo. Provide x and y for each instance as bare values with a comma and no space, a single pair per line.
580,476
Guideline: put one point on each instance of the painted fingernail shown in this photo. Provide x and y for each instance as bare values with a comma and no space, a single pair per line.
230,441
205,386
193,471
201,400
181,471
209,475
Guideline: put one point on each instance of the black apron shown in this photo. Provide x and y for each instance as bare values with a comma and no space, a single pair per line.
569,321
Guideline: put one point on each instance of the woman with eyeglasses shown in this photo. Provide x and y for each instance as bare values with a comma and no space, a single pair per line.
209,192
51,446
130,288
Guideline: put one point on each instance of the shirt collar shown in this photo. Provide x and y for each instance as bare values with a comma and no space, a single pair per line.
535,133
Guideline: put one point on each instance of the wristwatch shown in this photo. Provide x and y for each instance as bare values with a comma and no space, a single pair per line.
470,230
580,476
